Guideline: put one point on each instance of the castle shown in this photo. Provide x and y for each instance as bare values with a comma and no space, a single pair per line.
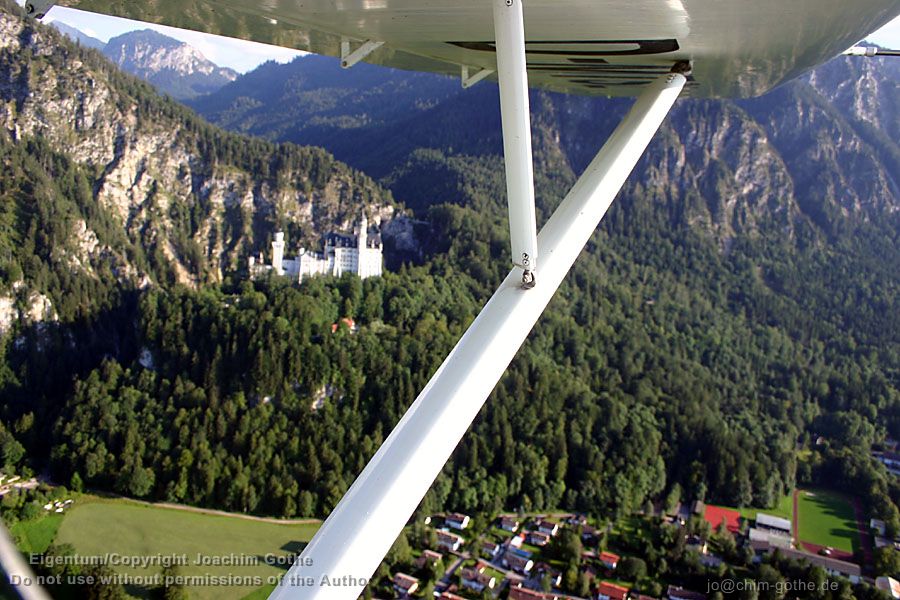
359,253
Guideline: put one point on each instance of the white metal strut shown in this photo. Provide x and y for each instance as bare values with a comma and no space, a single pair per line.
350,57
512,73
351,543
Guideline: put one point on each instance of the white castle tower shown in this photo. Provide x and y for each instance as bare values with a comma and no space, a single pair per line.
278,253
361,246
359,254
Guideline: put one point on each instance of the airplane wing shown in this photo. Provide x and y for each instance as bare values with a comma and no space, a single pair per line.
739,48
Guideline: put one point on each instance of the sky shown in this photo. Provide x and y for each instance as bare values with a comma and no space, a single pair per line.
226,52
245,56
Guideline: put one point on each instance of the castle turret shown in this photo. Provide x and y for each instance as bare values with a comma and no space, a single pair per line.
363,232
361,239
278,253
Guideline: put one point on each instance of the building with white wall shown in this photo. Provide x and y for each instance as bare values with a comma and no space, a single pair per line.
359,253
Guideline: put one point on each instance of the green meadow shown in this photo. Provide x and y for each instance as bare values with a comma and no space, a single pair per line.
97,527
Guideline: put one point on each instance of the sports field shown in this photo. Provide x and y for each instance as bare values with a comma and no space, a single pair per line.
129,529
827,519
784,509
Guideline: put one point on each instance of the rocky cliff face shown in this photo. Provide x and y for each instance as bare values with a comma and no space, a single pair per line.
171,66
821,150
167,197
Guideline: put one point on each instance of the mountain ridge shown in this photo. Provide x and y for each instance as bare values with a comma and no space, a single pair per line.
726,314
161,195
171,66
458,122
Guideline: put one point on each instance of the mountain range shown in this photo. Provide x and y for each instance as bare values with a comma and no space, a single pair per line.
170,197
171,66
824,147
738,302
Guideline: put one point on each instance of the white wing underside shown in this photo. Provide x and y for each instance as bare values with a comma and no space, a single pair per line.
739,48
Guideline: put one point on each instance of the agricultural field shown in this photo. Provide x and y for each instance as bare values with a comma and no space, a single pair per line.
827,519
100,526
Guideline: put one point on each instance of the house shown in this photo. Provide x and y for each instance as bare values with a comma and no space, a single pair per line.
516,541
547,527
891,460
881,542
491,549
476,579
889,585
831,566
766,540
775,524
577,520
698,508
589,534
611,591
609,560
520,564
449,541
538,538
405,585
677,593
696,544
710,560
457,520
522,593
509,523
674,510
429,557
878,525
716,515
544,570
347,322
774,537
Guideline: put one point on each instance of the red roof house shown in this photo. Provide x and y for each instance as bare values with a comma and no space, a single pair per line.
611,591
609,560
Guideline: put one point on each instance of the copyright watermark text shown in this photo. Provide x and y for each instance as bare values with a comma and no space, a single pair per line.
730,586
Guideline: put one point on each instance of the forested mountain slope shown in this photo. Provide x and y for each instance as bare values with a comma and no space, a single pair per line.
106,181
728,162
726,311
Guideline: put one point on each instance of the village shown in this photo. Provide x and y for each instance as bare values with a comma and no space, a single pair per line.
565,556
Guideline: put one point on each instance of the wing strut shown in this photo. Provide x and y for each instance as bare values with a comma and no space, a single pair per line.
350,57
509,32
469,79
343,555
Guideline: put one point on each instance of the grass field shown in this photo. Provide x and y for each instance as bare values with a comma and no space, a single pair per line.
101,526
827,519
36,536
784,509
260,593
